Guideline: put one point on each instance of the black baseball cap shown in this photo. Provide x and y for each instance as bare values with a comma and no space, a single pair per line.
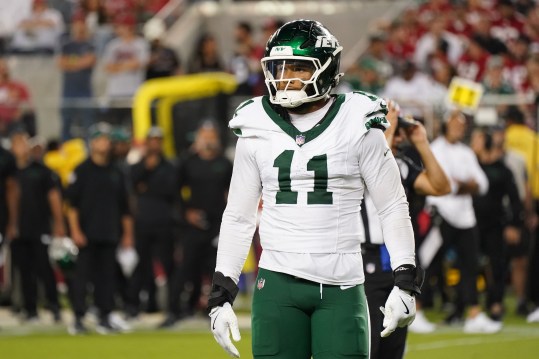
406,122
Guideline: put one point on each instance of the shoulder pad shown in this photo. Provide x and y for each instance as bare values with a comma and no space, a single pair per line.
250,119
242,105
376,110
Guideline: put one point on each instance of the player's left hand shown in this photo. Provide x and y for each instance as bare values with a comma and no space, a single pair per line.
399,311
223,323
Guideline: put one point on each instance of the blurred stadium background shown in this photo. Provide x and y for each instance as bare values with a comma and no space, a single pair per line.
407,50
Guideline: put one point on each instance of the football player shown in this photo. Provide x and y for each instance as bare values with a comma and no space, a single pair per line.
310,156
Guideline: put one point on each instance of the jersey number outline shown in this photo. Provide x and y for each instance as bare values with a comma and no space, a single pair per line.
317,164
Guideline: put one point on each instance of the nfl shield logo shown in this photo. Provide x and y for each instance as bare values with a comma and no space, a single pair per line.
260,283
300,140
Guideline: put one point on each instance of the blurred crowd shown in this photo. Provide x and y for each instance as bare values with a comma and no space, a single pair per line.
114,202
414,58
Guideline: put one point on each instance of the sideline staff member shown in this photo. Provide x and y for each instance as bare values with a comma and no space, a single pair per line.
99,220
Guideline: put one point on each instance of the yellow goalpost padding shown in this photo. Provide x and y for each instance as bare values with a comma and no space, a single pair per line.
169,91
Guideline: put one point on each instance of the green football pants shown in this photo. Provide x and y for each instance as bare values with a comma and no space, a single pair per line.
294,318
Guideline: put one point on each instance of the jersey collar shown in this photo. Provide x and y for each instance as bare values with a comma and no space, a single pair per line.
302,138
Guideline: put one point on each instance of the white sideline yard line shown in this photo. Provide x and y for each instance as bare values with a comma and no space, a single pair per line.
490,338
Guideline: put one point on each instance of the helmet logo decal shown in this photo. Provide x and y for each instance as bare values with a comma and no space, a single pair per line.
325,41
282,51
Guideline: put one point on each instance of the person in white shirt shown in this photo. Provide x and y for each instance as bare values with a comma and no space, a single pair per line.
311,156
459,225
40,31
125,59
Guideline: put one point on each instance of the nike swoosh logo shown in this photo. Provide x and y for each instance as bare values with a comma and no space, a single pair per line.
405,306
385,153
213,325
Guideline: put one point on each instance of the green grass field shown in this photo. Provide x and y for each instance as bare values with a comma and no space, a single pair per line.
517,340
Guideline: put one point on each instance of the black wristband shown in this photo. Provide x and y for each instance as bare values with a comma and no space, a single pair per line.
407,277
223,290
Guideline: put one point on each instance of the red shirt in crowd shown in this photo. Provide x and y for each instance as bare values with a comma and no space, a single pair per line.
472,68
12,96
507,29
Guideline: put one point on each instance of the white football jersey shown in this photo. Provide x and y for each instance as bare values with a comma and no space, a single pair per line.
311,181
312,184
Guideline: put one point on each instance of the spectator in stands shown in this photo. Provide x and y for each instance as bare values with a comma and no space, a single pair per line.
11,15
206,57
476,9
473,62
365,77
482,34
516,71
14,100
523,7
204,181
245,63
98,22
458,228
99,222
77,60
493,80
432,9
399,45
115,7
377,53
531,27
155,183
125,60
437,42
163,60
507,23
442,73
39,32
40,206
95,14
458,23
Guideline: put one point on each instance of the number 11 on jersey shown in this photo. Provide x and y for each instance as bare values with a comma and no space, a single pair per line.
317,164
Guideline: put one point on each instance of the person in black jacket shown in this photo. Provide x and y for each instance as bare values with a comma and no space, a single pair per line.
99,221
154,181
204,181
499,226
40,205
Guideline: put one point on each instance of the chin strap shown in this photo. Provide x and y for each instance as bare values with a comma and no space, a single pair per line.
407,277
223,290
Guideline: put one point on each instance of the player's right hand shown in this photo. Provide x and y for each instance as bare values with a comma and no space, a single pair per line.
223,323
